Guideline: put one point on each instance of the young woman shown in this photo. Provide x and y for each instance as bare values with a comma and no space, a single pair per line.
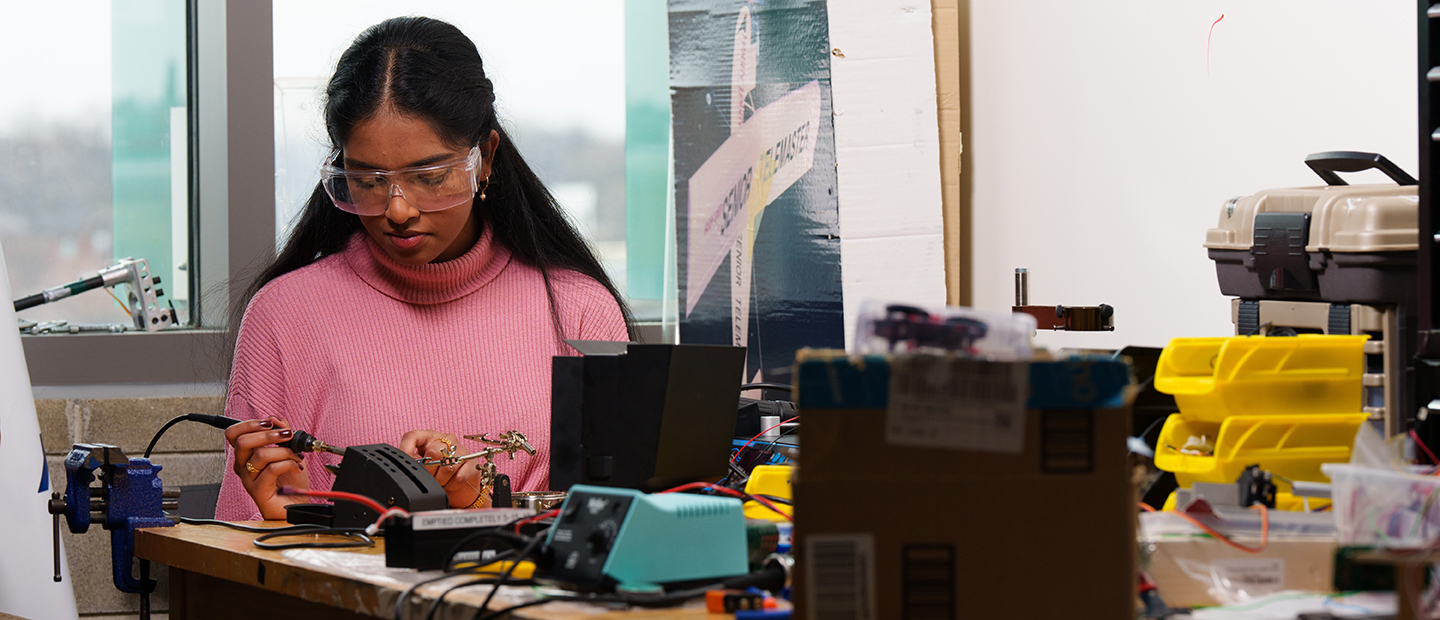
427,285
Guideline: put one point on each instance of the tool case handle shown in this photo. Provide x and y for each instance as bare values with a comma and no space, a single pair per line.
1328,163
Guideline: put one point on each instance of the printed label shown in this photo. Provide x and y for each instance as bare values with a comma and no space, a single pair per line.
840,573
960,404
455,519
1268,574
472,556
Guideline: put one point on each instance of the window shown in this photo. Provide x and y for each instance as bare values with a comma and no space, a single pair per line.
96,162
98,138
94,166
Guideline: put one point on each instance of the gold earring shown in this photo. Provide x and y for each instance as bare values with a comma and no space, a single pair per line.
483,187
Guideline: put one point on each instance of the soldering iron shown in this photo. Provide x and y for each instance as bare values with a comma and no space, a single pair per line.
300,442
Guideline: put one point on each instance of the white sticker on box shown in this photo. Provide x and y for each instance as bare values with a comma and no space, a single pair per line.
960,404
1250,574
457,519
840,576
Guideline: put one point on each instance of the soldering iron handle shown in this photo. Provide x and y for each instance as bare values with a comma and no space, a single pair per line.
59,292
300,442
29,301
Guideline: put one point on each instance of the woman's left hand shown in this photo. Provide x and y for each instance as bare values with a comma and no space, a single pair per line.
461,481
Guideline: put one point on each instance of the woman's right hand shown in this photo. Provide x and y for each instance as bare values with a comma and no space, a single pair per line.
264,467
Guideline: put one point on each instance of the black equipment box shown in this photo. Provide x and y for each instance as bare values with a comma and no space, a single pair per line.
642,416
424,540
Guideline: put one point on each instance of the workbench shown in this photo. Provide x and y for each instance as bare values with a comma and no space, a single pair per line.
216,572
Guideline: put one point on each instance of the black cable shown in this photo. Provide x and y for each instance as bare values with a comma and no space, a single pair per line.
734,469
487,533
756,447
665,600
297,528
508,570
540,602
400,602
1151,427
364,541
783,433
771,578
670,599
766,385
218,421
430,613
776,499
501,612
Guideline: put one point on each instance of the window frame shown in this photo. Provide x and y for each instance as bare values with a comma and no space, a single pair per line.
230,53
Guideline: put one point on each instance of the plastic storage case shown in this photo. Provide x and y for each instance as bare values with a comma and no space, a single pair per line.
1384,507
885,328
1338,243
1215,378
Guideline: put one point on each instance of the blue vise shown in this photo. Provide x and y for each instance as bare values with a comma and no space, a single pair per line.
130,496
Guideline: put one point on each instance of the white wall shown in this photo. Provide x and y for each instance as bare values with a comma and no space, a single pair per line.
1104,146
887,153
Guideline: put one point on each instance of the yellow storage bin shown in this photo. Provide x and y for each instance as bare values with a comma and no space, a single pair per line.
1293,446
1215,378
772,480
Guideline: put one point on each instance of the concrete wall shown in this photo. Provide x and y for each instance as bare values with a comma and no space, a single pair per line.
190,454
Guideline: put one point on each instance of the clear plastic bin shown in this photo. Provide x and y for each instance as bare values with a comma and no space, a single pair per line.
885,328
1383,507
1215,378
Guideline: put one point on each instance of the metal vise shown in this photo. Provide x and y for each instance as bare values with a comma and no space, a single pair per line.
130,496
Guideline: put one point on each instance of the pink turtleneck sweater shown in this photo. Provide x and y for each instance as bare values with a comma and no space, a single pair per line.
359,349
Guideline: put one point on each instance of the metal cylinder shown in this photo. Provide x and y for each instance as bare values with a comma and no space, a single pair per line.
770,427
539,501
1300,488
1022,286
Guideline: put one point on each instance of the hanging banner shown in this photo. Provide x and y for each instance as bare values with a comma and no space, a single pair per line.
757,218
27,587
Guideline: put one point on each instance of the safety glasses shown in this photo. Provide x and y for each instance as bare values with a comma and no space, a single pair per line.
427,188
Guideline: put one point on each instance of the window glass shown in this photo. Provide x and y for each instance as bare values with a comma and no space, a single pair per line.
559,73
93,150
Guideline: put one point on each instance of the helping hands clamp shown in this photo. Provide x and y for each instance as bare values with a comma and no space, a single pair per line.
508,442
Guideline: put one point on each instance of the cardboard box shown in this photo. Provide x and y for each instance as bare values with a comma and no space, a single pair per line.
965,489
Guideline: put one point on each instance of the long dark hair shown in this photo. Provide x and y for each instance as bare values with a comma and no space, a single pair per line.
428,68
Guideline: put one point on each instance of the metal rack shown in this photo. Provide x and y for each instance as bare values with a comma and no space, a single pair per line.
1425,375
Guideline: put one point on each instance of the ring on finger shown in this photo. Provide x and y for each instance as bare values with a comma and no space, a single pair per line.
251,468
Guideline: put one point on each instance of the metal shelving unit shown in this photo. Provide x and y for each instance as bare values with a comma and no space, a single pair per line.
1424,377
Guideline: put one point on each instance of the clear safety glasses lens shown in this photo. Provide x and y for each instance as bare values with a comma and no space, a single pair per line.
427,188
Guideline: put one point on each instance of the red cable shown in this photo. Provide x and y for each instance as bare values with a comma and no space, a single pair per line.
369,503
752,439
1264,527
1428,453
742,496
540,517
